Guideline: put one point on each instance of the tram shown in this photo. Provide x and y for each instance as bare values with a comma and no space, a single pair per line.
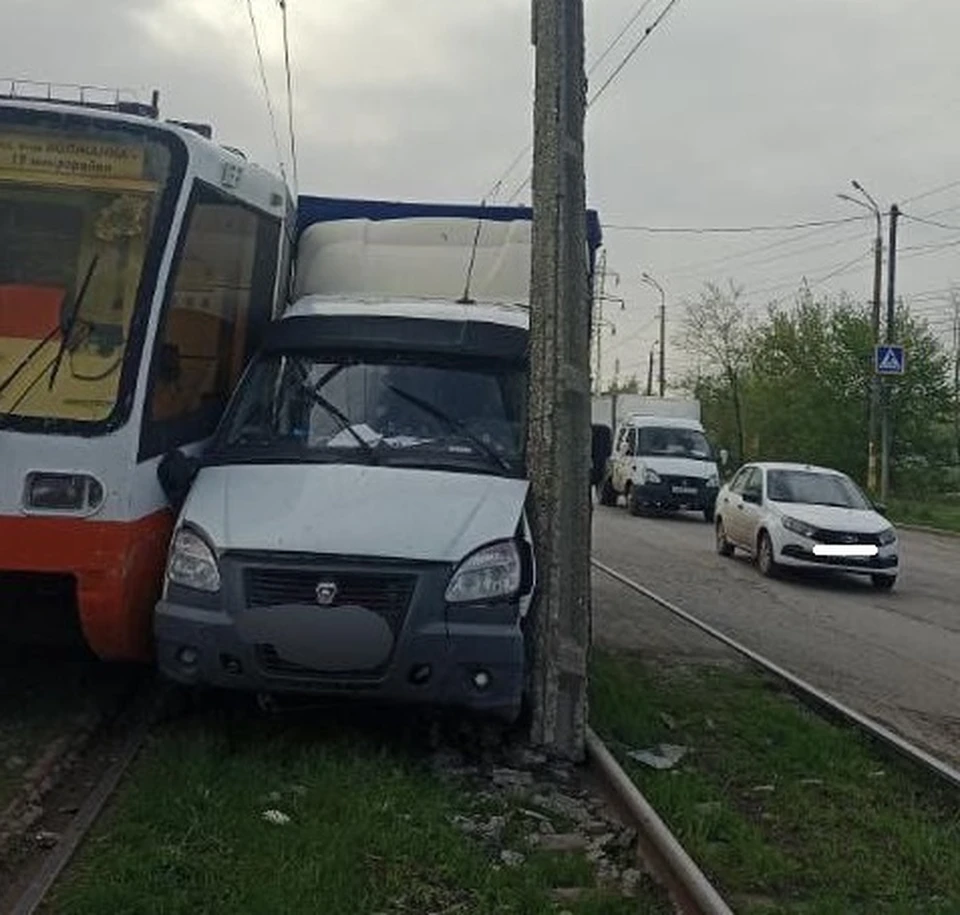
140,262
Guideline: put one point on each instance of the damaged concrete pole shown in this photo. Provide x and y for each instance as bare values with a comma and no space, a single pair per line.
558,435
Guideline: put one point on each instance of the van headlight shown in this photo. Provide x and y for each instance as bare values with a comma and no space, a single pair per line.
713,481
192,562
800,527
887,537
650,476
491,573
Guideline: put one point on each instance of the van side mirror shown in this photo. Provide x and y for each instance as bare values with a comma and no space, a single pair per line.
176,473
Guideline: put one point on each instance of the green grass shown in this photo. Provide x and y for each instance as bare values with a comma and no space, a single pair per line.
944,515
370,832
845,830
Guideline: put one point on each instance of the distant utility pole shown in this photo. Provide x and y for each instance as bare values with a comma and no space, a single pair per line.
598,321
650,372
886,433
874,421
650,281
559,424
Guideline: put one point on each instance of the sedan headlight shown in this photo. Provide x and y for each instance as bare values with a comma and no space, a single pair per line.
493,572
192,562
887,537
650,476
800,527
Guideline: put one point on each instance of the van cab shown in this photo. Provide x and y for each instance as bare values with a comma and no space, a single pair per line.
357,525
662,463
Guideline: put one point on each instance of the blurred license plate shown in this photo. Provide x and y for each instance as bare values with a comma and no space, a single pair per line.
684,491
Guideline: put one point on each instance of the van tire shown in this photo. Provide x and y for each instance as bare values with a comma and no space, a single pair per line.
608,495
634,505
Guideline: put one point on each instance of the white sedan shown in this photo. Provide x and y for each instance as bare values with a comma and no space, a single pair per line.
805,517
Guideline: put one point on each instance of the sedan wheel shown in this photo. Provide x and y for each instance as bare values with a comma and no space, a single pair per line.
765,561
884,582
724,546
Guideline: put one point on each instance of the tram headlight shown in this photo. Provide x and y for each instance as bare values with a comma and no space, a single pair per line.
192,562
62,492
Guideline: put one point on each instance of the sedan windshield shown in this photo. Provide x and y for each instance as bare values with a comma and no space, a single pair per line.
423,413
810,487
666,440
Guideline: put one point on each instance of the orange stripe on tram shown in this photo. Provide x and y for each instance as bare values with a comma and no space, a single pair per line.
118,566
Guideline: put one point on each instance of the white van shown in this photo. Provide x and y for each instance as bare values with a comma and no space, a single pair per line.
662,463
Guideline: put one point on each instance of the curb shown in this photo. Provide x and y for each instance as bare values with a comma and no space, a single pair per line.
681,875
924,529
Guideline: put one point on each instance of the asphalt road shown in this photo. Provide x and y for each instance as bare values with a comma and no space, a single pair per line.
894,656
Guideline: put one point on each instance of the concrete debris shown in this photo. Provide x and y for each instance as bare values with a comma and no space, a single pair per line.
512,858
630,881
662,756
668,720
277,817
560,842
47,839
512,779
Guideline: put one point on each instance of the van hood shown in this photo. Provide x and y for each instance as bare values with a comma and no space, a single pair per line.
349,510
680,467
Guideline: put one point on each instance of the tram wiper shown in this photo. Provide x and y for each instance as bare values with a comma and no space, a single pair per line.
71,321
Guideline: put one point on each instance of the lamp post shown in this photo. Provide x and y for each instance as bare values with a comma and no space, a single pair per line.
871,204
650,281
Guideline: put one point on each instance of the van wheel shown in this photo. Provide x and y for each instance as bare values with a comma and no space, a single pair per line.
608,495
633,502
765,561
708,515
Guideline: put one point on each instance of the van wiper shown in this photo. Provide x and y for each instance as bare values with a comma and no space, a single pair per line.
72,320
345,424
454,425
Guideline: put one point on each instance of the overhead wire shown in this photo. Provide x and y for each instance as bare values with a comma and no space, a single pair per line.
266,89
498,184
647,32
720,230
288,69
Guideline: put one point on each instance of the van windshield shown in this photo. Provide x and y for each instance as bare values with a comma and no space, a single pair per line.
669,441
425,412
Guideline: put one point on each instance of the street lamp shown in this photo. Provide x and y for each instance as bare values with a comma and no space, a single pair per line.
650,281
870,204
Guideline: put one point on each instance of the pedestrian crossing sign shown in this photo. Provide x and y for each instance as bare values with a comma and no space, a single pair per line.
889,360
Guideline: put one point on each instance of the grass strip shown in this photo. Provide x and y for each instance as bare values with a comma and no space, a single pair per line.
784,811
371,830
944,514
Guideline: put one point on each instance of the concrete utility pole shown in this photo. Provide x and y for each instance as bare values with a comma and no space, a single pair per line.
650,281
886,434
559,424
650,372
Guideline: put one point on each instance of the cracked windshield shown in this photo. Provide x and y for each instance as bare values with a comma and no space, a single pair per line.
480,458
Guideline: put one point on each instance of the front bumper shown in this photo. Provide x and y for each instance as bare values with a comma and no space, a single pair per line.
676,494
404,645
798,553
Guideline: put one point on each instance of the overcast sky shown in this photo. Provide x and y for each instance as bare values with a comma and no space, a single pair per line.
733,113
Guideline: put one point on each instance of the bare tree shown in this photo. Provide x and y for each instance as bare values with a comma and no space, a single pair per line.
716,329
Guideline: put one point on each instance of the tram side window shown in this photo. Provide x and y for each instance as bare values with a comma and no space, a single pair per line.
221,299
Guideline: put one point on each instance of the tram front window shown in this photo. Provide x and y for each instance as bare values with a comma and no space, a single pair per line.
78,214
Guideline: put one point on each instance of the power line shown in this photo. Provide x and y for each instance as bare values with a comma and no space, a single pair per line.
610,79
708,230
286,64
931,222
629,55
838,270
498,184
931,193
266,88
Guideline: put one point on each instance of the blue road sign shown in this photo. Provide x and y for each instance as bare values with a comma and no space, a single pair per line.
889,359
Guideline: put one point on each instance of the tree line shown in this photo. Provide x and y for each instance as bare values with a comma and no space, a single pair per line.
794,383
